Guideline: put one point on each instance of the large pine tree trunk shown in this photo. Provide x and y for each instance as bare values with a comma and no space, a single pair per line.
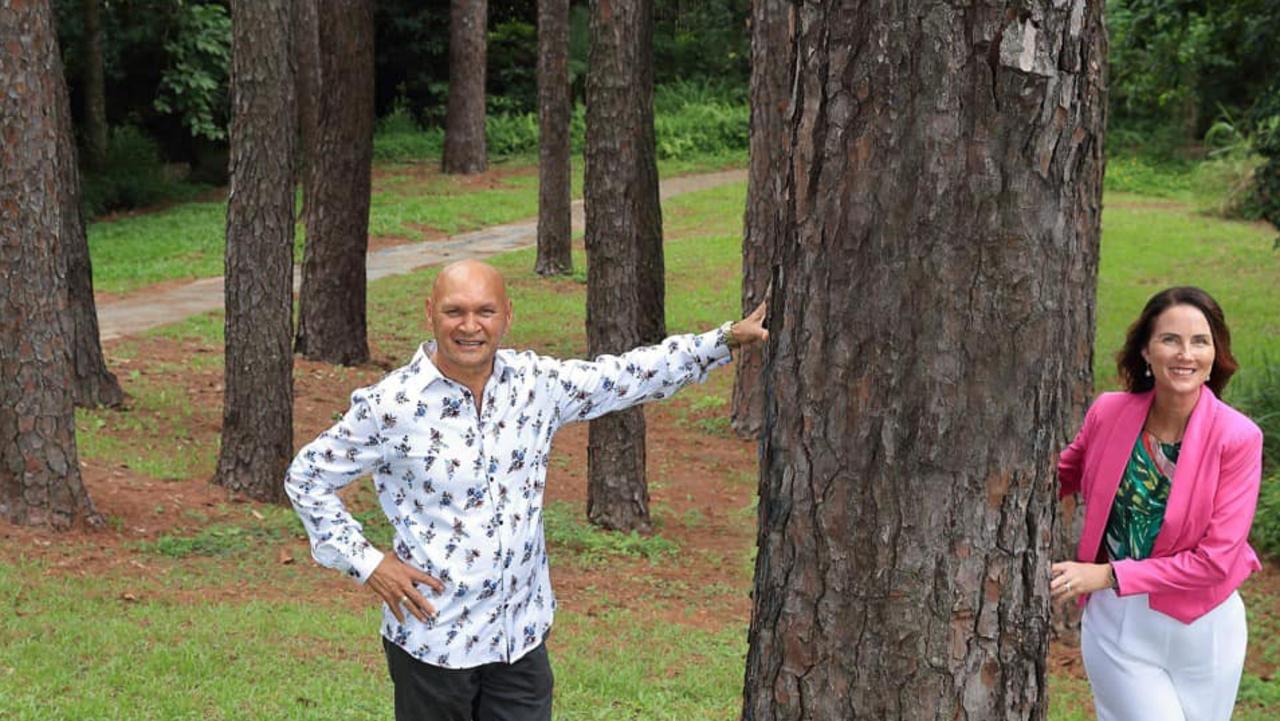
936,299
464,144
555,107
772,69
331,305
623,234
95,93
257,414
40,480
92,384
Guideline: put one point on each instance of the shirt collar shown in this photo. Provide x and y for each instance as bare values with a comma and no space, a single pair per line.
430,373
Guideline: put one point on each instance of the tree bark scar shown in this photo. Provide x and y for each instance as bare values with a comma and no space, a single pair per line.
993,61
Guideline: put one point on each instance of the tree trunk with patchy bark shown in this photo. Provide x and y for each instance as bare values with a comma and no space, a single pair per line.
772,70
623,235
936,305
95,93
40,480
464,143
331,305
257,414
555,107
93,385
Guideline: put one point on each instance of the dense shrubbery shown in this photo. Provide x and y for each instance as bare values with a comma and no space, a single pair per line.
133,176
1257,393
1265,537
692,119
1266,139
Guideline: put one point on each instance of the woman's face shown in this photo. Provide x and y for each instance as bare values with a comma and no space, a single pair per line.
1180,351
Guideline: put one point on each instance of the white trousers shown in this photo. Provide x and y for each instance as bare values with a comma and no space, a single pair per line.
1146,666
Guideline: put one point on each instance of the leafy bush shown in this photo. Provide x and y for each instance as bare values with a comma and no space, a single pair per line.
398,138
1257,393
194,86
693,119
1265,535
132,176
1266,140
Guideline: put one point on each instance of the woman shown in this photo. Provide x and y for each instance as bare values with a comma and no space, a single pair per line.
1170,478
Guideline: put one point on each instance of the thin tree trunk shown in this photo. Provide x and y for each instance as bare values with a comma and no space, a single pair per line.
306,42
331,306
638,56
93,385
464,143
936,299
40,480
623,230
95,116
257,416
772,70
555,108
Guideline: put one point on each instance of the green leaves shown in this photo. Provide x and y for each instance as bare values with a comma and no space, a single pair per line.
194,84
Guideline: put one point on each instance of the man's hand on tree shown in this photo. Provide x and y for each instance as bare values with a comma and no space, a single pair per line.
749,330
395,582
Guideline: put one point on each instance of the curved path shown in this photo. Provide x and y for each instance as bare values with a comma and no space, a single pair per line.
147,310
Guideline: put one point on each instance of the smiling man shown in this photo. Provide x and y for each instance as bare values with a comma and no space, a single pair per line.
457,443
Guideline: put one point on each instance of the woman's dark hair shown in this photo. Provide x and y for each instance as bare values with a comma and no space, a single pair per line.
1132,366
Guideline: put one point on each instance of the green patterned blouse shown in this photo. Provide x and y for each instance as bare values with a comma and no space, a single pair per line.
1138,510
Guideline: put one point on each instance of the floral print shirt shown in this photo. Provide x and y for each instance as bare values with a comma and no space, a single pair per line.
463,491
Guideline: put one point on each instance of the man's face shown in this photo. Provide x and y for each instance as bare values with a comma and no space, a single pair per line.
469,312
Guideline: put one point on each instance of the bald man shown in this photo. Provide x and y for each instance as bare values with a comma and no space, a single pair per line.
457,443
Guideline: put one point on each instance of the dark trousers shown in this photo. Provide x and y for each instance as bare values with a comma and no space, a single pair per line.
519,691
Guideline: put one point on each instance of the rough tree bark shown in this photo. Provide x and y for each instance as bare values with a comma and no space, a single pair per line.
555,106
464,144
339,153
307,88
936,299
623,236
257,414
40,480
772,70
92,384
95,93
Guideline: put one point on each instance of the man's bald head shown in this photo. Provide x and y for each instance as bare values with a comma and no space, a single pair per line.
470,274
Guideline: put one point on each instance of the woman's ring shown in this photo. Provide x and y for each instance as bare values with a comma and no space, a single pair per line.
1068,587
405,599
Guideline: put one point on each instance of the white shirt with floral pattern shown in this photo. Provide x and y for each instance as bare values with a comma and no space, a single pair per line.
464,493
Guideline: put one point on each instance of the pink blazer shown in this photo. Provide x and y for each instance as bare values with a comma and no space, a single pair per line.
1202,553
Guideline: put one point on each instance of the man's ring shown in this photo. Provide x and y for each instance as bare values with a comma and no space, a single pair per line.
1068,587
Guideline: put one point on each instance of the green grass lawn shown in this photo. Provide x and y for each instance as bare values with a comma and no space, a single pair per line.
78,648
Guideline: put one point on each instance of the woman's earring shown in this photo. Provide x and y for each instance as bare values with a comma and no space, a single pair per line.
1148,373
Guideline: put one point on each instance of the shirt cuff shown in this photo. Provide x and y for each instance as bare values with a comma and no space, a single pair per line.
363,564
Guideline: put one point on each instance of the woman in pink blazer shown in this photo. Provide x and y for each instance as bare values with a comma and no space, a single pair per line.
1169,475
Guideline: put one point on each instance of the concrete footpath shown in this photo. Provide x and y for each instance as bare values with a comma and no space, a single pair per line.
145,310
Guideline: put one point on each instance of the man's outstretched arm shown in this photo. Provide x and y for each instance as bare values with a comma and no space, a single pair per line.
589,389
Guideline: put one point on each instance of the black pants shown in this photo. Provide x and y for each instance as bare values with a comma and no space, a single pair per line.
519,691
